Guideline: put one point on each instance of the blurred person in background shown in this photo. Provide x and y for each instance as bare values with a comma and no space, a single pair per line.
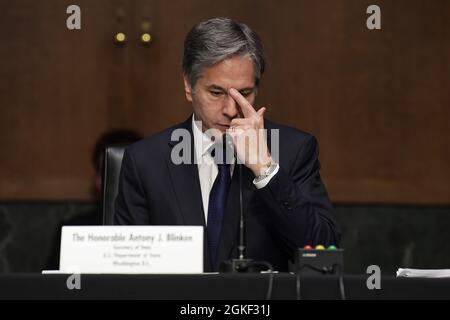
94,216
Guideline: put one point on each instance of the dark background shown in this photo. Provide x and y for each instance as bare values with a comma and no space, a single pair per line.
377,101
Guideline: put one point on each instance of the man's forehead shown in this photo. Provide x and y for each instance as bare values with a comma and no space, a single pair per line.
237,72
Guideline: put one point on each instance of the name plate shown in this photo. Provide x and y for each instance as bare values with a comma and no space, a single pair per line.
131,249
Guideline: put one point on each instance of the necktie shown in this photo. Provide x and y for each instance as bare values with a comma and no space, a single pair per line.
216,208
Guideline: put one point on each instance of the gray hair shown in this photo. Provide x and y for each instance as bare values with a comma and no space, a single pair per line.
214,40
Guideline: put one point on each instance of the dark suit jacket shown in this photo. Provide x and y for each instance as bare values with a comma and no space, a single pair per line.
293,210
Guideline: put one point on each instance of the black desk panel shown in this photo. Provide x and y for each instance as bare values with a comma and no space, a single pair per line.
215,287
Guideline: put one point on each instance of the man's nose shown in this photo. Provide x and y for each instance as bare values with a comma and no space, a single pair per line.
230,107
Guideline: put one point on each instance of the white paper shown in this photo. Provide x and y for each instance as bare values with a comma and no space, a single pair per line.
52,272
423,273
131,249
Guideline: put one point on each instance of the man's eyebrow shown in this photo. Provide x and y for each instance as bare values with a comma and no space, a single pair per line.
216,87
246,89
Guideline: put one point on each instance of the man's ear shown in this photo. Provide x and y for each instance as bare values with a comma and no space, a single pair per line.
187,89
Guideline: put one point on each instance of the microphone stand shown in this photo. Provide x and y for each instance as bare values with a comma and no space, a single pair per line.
242,264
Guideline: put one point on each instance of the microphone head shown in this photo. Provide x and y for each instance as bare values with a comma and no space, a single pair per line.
228,140
228,148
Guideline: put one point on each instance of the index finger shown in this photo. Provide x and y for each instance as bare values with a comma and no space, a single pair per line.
246,107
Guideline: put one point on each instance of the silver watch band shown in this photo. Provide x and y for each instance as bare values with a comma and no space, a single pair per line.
266,173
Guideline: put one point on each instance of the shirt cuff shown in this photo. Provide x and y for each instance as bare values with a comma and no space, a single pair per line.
262,183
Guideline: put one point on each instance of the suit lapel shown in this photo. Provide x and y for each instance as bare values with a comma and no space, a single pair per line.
185,182
187,190
186,185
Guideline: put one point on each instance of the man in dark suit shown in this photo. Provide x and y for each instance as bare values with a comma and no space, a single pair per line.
284,200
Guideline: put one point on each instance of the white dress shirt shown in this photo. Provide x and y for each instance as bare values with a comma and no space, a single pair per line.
207,168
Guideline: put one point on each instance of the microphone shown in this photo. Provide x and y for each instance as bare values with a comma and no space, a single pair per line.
242,264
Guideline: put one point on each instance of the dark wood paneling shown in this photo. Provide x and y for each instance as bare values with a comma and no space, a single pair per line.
378,101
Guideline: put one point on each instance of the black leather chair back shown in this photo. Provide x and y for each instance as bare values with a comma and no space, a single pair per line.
111,173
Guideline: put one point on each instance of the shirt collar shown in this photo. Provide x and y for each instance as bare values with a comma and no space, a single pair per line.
202,143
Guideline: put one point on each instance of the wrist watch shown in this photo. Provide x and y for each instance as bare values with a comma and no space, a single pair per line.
266,172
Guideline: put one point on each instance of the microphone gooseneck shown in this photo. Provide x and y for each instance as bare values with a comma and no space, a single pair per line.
228,141
243,264
241,247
